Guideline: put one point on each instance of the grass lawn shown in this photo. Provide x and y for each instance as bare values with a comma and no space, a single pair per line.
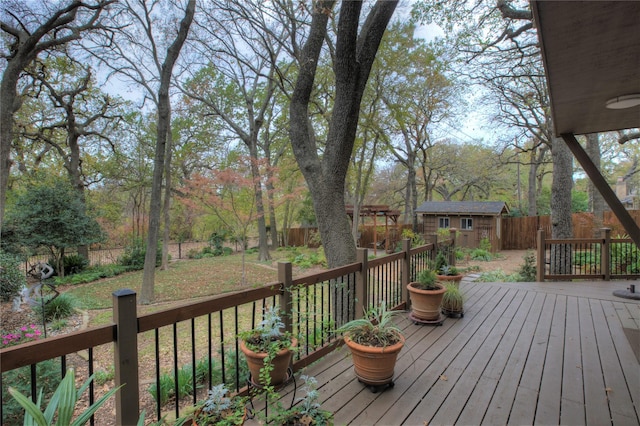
188,278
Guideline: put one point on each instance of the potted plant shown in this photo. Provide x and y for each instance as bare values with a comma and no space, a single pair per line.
452,301
217,409
307,410
426,295
268,350
374,342
446,272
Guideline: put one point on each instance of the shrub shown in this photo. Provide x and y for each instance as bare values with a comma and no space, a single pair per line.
61,307
498,276
134,255
12,280
528,270
74,264
481,254
485,244
93,273
47,378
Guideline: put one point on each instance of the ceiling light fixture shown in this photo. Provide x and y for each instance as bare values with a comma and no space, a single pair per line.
625,101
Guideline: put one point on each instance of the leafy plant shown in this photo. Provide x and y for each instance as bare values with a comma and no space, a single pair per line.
60,307
12,279
452,299
74,263
528,270
62,404
374,329
481,254
47,376
268,336
185,381
167,389
307,411
426,280
218,409
448,270
135,253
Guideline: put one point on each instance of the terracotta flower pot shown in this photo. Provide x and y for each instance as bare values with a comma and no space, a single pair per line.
455,279
425,304
281,362
374,365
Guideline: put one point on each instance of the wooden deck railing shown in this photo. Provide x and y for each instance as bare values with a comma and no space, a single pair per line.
313,306
603,258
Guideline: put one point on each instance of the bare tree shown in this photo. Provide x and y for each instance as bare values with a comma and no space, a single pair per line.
31,29
355,50
136,52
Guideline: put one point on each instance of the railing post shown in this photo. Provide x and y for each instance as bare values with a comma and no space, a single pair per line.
285,276
540,256
605,254
362,282
452,251
406,271
125,356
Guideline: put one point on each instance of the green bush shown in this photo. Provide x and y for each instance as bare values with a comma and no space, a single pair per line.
93,273
528,270
12,279
74,264
134,255
498,276
61,307
185,381
47,378
481,254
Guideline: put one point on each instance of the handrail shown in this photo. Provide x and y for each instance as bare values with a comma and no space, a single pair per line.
383,278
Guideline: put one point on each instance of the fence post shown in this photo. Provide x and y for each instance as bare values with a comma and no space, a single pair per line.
452,250
125,356
362,282
406,271
540,257
285,276
605,254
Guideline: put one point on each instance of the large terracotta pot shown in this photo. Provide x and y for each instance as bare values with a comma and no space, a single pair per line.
425,304
455,279
373,365
255,361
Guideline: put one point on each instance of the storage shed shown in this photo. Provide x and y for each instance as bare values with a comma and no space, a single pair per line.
474,220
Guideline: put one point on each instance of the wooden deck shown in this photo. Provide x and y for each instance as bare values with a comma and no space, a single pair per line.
524,353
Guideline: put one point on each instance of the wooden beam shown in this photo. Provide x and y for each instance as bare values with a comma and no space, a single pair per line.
603,187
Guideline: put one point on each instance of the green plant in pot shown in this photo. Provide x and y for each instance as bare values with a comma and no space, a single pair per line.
268,350
374,342
445,271
218,409
426,295
306,411
452,301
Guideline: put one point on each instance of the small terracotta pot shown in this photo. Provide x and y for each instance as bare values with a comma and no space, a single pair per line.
255,361
453,279
425,304
373,365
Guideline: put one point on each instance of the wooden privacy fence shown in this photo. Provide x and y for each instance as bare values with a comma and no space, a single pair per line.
520,233
312,307
603,258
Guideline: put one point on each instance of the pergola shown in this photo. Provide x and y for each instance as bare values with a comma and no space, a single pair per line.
591,55
377,211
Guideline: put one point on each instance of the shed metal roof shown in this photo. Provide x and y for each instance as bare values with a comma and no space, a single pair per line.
490,208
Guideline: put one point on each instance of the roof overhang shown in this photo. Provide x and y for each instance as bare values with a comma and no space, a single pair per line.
591,53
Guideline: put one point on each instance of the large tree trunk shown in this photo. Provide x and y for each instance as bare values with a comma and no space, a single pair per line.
166,208
532,180
561,225
354,55
10,104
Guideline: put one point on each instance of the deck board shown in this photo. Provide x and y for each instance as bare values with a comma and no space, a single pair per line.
524,353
